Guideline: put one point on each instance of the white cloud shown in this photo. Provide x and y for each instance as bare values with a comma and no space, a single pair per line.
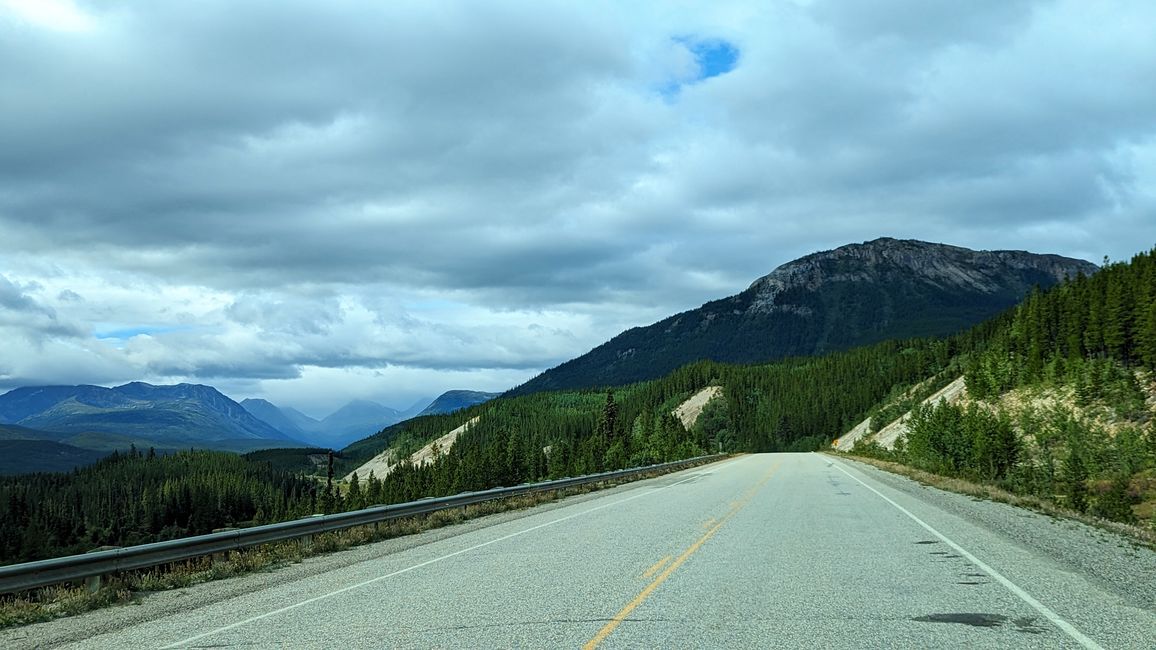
58,15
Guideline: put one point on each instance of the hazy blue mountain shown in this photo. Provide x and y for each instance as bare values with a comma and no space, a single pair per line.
21,403
280,419
300,420
355,420
167,417
417,408
833,300
453,400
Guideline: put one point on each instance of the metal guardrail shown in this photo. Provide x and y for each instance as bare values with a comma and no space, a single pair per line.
42,573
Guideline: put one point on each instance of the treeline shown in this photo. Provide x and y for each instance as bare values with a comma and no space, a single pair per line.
139,497
546,435
1053,335
802,404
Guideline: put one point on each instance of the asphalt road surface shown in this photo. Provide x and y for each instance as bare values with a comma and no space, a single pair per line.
760,551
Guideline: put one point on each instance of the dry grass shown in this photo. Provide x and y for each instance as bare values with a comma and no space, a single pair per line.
1144,536
67,600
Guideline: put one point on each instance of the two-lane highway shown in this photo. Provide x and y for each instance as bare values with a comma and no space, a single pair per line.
768,550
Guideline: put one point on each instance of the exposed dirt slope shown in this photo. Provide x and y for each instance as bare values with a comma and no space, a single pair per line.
886,437
382,464
688,411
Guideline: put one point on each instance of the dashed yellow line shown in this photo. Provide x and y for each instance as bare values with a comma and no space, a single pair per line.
609,628
657,565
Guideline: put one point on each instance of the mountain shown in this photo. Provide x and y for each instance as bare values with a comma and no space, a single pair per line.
300,420
355,420
833,300
20,403
453,400
168,417
290,422
417,407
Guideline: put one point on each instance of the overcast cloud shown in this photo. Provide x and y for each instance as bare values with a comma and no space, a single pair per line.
314,202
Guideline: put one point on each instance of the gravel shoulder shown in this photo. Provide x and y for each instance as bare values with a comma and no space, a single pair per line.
1117,564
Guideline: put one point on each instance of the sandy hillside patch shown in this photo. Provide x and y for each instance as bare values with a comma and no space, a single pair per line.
382,464
952,393
851,437
688,411
848,440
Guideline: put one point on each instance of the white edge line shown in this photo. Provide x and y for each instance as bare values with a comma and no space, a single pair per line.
254,619
1011,586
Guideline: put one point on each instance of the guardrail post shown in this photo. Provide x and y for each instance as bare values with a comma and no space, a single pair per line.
92,583
221,556
306,541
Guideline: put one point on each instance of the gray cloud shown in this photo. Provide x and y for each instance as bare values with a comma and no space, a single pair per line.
266,194
26,317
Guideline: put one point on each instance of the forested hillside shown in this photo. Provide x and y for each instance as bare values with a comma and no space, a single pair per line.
142,497
1062,400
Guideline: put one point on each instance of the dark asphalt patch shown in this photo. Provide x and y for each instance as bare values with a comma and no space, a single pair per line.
1027,625
974,620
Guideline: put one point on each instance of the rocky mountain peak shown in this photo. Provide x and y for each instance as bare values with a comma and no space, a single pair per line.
945,267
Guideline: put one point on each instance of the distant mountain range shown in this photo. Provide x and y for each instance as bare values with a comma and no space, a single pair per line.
357,419
57,428
98,420
353,421
170,416
833,300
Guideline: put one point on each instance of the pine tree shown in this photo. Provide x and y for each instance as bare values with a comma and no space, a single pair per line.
353,498
1075,473
1117,316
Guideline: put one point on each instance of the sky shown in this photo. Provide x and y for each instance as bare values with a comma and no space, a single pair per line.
317,202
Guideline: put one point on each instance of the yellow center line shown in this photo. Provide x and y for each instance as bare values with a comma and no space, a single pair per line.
709,522
657,565
614,622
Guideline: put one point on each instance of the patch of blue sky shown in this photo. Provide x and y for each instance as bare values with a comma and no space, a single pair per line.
126,333
713,56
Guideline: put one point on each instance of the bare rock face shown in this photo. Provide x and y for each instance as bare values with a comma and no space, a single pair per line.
832,300
949,268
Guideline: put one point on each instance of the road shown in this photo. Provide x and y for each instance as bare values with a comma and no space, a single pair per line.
767,550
